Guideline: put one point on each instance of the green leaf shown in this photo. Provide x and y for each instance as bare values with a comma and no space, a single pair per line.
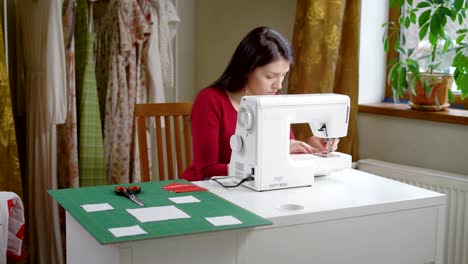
393,3
402,84
424,17
462,31
397,44
435,24
433,39
442,33
445,11
387,45
462,83
460,61
423,5
401,51
410,2
407,22
460,19
447,44
458,4
427,89
453,15
393,74
442,17
413,18
413,67
460,38
423,31
451,97
401,20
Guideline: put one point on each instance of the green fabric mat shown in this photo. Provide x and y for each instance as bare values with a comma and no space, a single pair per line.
152,194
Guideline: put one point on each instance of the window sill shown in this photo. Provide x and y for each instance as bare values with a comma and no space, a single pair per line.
452,116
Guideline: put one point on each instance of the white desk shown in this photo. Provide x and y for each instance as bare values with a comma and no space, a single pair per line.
348,217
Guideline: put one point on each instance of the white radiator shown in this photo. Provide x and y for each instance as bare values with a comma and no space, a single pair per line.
455,186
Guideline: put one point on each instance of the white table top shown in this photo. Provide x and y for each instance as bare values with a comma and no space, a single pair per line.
343,194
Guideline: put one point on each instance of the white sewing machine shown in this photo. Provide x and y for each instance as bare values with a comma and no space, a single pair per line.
261,143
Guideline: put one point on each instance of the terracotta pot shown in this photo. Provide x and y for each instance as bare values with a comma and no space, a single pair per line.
440,84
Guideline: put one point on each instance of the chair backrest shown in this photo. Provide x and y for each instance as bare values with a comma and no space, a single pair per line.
171,123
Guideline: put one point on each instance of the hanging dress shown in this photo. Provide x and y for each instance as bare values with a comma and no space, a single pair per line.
92,162
42,69
123,33
67,145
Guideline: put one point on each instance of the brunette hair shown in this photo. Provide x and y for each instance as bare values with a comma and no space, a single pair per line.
259,47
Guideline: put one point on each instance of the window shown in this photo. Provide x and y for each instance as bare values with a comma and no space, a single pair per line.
422,52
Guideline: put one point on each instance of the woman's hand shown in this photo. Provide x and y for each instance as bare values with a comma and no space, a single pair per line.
323,145
296,147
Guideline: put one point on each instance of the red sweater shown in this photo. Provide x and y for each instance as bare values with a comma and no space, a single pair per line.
213,123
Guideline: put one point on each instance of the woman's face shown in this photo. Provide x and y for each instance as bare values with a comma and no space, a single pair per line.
267,79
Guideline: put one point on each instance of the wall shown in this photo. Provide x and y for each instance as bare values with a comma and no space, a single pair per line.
372,55
185,52
210,30
418,143
221,24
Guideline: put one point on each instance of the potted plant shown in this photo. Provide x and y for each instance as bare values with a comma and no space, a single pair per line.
422,70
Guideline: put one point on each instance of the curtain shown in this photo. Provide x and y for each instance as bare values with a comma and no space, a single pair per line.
326,48
10,175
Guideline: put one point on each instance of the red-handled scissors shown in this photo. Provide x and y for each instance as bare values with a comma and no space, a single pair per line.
129,192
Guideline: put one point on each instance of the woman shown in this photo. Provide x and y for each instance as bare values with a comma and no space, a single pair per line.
257,67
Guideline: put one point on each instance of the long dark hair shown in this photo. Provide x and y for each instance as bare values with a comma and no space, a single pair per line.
259,47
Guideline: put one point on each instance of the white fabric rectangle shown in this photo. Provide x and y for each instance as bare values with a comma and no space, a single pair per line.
96,207
184,199
127,231
157,213
223,220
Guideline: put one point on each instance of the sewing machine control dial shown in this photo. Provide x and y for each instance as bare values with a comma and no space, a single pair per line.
245,117
236,143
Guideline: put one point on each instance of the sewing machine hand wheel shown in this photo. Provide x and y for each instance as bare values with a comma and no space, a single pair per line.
245,117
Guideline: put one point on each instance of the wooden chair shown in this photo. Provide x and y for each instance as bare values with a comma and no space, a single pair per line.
173,138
